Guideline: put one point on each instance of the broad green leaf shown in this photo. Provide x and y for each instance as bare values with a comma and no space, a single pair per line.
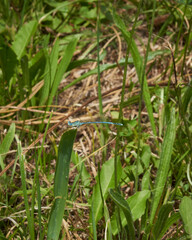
146,155
185,210
138,62
23,37
146,179
107,179
6,143
121,202
165,159
137,203
61,184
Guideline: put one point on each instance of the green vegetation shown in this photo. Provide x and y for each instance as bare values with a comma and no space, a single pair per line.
120,61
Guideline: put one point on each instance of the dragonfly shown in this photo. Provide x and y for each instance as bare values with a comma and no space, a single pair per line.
78,123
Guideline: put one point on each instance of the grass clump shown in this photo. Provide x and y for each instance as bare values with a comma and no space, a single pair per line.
95,61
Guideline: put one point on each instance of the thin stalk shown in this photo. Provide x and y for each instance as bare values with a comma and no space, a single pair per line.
181,27
98,62
123,93
141,98
99,79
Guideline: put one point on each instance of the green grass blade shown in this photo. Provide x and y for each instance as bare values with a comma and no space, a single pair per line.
161,220
39,161
6,143
138,62
164,165
30,218
121,202
63,65
93,223
36,178
50,70
38,199
169,223
108,228
98,63
137,204
23,37
61,184
85,176
186,214
187,96
107,66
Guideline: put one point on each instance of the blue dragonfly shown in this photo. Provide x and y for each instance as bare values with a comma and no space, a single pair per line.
78,123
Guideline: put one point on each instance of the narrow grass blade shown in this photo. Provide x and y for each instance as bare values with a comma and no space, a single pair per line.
6,143
122,203
107,66
36,178
93,223
161,220
173,219
61,184
164,165
98,67
39,161
187,98
186,214
23,37
85,176
108,229
138,62
30,218
62,67
137,204
50,70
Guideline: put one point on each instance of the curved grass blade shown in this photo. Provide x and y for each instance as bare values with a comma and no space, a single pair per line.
62,67
61,184
121,202
137,204
161,220
50,70
138,62
107,66
175,217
